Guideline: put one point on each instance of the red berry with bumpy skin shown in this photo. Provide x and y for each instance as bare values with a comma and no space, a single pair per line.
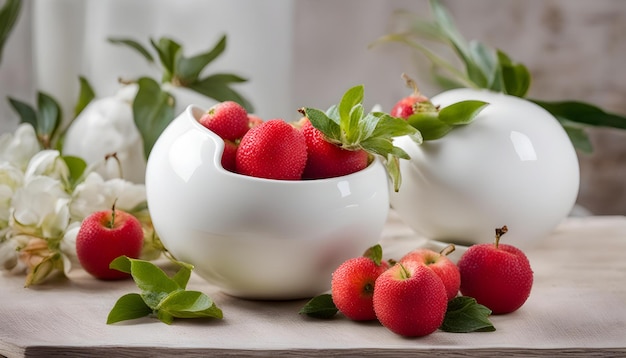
228,119
229,156
440,264
254,120
273,150
103,237
405,107
352,287
497,275
328,160
410,300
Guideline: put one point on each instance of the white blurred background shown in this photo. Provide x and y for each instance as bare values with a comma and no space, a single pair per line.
308,52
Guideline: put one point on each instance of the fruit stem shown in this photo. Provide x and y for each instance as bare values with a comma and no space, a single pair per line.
117,160
404,273
499,232
112,223
411,84
447,250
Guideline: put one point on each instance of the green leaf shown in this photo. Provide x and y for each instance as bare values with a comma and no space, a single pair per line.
48,118
9,14
351,98
165,317
76,166
153,110
218,87
190,304
465,315
121,263
487,62
323,122
584,113
127,307
188,69
461,113
393,169
578,137
515,76
85,96
321,306
135,46
389,127
25,111
169,53
183,274
429,125
375,253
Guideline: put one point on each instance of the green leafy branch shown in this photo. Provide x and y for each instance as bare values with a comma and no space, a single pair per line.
9,14
489,68
161,296
153,107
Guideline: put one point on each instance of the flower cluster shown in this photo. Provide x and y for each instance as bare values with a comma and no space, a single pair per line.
43,202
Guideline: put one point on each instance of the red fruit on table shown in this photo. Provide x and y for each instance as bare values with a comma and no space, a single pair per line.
352,287
410,300
497,275
228,119
440,264
105,235
273,149
328,160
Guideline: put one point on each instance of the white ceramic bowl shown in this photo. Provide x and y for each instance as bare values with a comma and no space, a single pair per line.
514,165
257,238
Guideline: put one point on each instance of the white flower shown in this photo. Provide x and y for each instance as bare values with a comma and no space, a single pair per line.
11,179
40,208
96,194
17,148
48,163
104,127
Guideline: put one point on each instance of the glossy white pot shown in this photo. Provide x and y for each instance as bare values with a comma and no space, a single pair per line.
514,165
251,237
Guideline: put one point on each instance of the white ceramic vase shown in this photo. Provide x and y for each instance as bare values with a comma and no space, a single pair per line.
513,165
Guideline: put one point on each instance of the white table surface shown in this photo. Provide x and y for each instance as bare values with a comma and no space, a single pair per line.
577,308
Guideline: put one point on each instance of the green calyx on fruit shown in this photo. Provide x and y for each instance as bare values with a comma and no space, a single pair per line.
433,122
349,127
499,232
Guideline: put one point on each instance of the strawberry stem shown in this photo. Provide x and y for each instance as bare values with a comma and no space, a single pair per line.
117,160
112,223
411,84
499,232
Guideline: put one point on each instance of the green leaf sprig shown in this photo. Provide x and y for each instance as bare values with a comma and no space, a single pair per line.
489,68
9,14
153,108
348,126
162,296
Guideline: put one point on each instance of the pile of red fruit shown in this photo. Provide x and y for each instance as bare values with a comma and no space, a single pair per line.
276,149
411,296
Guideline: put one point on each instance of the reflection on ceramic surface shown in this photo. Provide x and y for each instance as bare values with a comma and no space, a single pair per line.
257,238
514,165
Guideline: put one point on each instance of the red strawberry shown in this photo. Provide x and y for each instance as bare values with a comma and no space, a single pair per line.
406,107
228,120
273,150
254,120
229,156
327,160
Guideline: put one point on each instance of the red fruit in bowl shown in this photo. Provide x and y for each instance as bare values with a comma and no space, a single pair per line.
440,264
407,106
497,275
328,160
254,120
228,119
352,287
105,235
273,149
229,155
410,300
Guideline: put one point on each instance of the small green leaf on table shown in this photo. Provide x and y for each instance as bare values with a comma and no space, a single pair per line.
465,315
321,306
